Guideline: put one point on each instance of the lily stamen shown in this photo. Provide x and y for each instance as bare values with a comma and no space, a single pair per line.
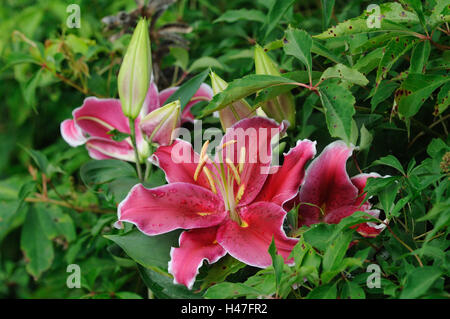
234,170
241,159
210,179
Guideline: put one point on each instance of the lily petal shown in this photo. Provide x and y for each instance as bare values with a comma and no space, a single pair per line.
327,184
196,245
151,101
99,116
371,229
250,243
283,185
179,161
72,134
252,137
204,93
165,208
101,148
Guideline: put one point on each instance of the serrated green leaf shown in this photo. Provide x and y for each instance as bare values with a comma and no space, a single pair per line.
391,161
419,57
241,88
344,73
395,49
338,103
390,16
420,87
298,43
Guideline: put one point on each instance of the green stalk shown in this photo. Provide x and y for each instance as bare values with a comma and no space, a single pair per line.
136,153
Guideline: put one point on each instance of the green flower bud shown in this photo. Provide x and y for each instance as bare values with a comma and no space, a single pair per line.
231,113
135,72
281,107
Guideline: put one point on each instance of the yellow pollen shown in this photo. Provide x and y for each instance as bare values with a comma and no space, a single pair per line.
244,224
240,193
228,143
215,242
199,168
234,170
204,213
210,179
242,160
204,148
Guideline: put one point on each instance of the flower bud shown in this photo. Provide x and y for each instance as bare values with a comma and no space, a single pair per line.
281,107
233,112
135,71
159,125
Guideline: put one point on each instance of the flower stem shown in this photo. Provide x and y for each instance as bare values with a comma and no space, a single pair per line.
136,154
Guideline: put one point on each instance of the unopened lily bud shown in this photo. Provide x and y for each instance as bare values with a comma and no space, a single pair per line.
233,112
159,125
281,107
135,71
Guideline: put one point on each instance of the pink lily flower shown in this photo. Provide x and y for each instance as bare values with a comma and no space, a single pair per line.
228,205
96,117
328,194
204,93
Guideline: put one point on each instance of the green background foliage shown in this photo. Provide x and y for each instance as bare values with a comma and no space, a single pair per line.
384,89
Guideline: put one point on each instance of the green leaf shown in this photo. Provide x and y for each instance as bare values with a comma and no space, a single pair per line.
241,88
440,13
352,290
181,56
384,91
327,11
334,256
370,61
36,246
328,291
420,87
98,172
54,222
228,290
391,17
417,6
419,280
162,287
419,57
318,235
221,270
298,43
276,12
442,101
338,103
241,14
149,251
320,49
391,161
344,73
206,62
186,91
277,263
396,48
118,136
